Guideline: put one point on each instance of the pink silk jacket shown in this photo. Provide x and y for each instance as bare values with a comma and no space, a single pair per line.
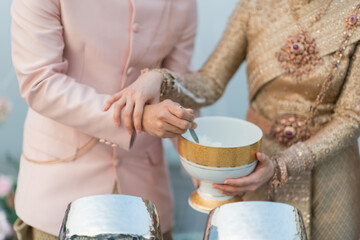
69,56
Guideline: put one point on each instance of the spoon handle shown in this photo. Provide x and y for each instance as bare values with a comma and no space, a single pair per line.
194,135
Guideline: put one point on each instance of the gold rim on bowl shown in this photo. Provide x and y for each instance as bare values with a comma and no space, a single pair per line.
218,156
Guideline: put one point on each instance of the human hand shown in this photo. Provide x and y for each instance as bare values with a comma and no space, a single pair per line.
264,170
145,90
167,119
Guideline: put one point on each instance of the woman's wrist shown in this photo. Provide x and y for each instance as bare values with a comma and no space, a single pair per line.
156,76
280,176
167,79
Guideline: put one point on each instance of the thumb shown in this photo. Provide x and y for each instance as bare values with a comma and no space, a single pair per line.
189,110
260,156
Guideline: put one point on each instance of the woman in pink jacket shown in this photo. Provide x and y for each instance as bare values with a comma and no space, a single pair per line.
70,56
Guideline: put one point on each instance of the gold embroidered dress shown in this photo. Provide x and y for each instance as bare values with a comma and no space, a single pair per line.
324,170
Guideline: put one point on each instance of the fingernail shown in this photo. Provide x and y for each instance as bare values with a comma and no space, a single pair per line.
138,131
130,132
227,182
117,124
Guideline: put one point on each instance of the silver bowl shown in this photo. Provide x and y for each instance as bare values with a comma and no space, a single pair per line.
255,220
112,216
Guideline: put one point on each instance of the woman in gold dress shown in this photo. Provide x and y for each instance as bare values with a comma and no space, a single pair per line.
303,68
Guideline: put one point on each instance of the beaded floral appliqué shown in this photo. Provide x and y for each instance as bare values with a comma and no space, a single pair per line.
290,129
353,21
299,55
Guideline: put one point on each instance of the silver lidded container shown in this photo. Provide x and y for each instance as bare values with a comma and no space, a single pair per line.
111,217
255,220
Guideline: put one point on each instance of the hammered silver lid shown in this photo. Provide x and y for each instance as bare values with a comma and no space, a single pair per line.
255,220
112,216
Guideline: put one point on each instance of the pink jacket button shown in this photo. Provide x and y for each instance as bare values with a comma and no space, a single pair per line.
135,27
129,71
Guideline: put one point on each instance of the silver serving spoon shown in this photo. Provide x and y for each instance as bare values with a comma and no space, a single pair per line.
192,131
194,135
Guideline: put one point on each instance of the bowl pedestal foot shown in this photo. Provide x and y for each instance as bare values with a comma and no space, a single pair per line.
205,201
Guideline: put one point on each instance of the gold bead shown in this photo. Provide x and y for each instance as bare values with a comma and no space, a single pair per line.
316,18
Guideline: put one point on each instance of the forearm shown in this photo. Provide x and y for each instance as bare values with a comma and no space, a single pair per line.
77,106
338,135
191,90
209,83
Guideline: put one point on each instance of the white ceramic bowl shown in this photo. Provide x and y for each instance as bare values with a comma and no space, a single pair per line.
226,149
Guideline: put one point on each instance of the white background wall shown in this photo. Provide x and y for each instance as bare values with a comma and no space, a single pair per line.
213,15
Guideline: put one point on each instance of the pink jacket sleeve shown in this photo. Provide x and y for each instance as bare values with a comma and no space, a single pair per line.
37,52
